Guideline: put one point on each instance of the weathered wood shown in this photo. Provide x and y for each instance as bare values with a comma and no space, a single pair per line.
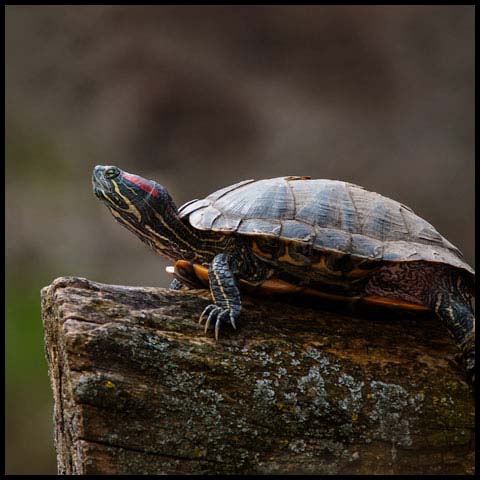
139,389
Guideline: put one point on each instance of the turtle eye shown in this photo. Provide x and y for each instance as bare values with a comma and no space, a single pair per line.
111,172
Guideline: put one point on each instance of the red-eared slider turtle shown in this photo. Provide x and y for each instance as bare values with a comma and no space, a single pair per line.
323,237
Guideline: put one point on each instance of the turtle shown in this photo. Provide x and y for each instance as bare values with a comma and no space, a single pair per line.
321,237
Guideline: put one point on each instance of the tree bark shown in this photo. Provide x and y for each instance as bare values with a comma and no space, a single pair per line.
139,389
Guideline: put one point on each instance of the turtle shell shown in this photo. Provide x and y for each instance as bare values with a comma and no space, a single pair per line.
329,215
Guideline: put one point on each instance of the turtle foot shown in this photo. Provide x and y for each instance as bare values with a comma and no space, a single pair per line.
213,314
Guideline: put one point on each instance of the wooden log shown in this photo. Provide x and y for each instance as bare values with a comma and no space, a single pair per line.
139,389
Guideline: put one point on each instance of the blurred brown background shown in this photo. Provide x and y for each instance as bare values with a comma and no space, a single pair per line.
199,97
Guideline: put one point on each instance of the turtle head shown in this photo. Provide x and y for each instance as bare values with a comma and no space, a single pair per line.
119,187
143,206
126,192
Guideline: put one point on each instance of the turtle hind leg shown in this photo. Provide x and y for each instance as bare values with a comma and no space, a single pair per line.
441,288
454,309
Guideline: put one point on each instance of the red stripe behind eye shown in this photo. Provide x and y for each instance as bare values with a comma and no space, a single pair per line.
145,185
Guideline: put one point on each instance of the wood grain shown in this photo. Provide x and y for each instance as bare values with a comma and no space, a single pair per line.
298,388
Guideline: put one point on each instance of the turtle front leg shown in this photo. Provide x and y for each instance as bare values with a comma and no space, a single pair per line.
457,313
225,294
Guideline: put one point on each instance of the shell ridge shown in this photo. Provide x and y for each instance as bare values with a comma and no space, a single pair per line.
224,191
409,233
193,206
357,214
186,204
292,193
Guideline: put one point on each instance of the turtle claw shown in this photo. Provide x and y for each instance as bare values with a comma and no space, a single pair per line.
214,313
206,312
209,319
